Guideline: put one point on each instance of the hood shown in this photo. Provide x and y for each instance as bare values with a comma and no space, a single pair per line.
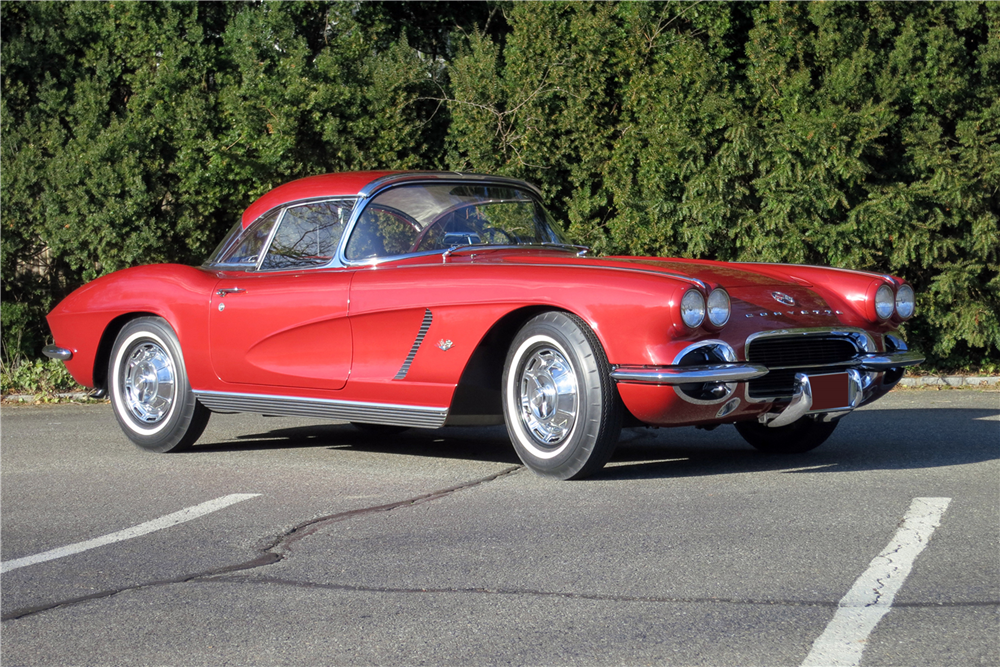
715,273
727,274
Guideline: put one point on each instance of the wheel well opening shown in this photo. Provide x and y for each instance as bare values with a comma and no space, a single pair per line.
478,398
103,356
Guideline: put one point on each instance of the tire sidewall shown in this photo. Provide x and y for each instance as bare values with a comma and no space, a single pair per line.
168,432
798,437
573,453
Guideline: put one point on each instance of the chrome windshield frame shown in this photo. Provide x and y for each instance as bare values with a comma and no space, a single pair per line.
377,187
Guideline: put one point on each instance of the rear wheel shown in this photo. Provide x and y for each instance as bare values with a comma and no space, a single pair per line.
152,399
561,407
795,438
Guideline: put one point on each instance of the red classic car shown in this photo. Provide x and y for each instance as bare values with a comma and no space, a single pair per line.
439,299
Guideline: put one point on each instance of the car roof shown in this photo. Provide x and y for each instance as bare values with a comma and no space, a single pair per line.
326,185
353,184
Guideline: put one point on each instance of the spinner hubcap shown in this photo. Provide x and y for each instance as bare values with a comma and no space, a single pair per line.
148,383
549,396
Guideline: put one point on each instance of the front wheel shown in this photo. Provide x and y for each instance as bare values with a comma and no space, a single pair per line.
561,407
795,438
152,399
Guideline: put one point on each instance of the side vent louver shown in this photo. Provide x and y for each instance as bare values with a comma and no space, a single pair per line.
424,326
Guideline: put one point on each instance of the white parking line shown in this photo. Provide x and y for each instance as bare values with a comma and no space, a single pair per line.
844,639
167,521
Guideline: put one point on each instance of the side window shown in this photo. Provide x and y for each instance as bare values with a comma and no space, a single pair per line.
308,235
247,250
382,232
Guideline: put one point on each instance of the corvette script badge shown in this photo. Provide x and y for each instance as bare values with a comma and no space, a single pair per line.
783,298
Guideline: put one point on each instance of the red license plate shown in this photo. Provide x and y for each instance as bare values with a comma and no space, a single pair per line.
830,391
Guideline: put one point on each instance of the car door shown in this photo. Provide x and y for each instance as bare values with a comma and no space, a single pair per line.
281,320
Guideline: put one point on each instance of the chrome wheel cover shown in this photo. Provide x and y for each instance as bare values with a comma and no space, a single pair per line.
549,396
148,380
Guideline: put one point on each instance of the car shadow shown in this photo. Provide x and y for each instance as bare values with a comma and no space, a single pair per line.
487,444
866,440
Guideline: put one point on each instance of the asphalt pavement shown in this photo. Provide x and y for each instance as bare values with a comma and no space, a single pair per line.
290,542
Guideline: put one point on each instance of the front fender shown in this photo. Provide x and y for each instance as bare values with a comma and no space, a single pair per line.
93,313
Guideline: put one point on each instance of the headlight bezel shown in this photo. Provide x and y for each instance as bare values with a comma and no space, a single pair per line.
884,302
725,307
910,304
693,302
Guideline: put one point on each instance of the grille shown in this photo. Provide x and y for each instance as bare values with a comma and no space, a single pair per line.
794,354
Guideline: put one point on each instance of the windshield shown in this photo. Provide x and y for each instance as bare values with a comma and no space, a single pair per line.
421,218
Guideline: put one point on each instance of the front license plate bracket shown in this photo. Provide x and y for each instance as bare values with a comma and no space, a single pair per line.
831,391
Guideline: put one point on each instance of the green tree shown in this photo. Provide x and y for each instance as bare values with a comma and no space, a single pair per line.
862,135
137,132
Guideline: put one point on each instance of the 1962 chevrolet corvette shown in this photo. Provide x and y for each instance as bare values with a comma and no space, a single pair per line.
434,299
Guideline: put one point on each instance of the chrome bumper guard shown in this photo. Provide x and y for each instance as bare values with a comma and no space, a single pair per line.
56,352
802,401
675,375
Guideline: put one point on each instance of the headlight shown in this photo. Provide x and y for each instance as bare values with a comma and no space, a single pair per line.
693,308
718,307
884,302
905,302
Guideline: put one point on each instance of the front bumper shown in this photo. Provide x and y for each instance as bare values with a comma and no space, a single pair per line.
679,395
744,372
677,375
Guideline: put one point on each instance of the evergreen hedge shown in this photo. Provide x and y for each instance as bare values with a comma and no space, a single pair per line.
862,135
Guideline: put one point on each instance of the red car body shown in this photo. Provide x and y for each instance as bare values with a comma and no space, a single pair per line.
420,334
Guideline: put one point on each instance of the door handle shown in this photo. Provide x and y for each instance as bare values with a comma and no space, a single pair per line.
229,290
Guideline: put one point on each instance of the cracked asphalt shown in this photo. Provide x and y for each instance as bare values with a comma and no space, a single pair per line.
437,547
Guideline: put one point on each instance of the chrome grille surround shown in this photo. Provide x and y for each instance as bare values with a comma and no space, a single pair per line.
786,352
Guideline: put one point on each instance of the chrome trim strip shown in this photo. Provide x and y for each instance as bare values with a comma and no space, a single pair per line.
369,192
857,335
264,249
727,350
409,177
375,261
675,375
883,362
837,365
664,274
424,326
884,276
56,352
417,416
334,263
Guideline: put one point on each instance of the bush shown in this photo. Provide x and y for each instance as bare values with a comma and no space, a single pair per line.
861,135
36,377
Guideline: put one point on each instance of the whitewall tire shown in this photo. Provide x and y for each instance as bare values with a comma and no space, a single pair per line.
149,389
560,405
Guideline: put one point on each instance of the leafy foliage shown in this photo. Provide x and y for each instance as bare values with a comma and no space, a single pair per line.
862,135
136,132
36,377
